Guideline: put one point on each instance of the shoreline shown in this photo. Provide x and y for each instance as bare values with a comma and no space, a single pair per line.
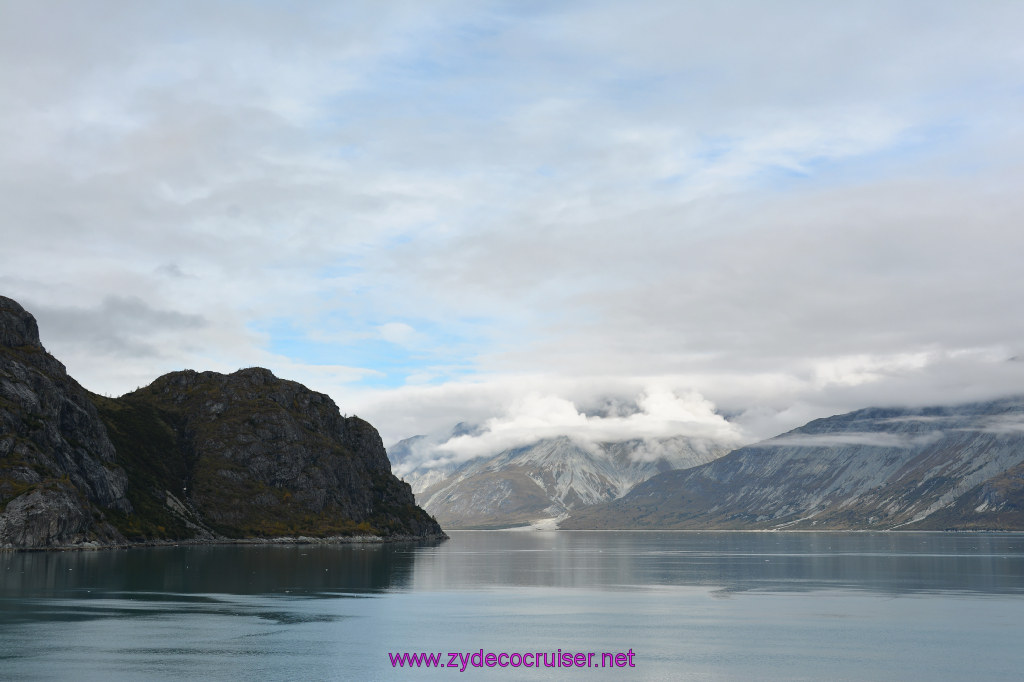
92,546
391,539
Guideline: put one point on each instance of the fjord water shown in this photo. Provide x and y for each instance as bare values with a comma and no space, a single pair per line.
691,605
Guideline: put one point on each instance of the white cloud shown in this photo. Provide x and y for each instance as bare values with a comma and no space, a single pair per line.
398,332
861,369
869,438
1005,425
792,209
660,413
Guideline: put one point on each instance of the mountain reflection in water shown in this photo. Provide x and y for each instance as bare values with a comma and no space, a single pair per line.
702,605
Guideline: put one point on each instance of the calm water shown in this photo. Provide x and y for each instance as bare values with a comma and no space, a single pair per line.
714,606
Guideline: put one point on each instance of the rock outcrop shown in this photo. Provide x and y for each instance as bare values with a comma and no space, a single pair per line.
58,470
192,456
249,454
948,467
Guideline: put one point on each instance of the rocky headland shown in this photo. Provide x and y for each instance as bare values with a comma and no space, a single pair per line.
193,457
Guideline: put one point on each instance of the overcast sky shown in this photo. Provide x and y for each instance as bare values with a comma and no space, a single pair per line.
614,218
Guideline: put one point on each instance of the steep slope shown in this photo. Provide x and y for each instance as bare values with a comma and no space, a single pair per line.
248,454
548,479
935,468
192,456
57,465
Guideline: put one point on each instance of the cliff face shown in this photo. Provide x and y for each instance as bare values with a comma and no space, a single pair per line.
192,456
248,454
58,468
947,467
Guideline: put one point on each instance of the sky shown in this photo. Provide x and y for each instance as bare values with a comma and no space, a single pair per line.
604,219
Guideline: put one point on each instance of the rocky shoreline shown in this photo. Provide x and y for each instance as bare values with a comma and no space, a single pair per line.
91,546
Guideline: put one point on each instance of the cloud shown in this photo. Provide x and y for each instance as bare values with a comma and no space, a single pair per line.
1005,425
397,332
917,419
758,405
792,210
659,414
121,326
867,438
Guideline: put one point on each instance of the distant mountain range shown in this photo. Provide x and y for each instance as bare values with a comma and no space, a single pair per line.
543,480
959,467
208,456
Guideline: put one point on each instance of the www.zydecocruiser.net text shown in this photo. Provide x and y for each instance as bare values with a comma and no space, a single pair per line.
461,660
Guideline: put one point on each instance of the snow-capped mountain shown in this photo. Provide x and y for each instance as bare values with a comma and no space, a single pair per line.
944,467
546,479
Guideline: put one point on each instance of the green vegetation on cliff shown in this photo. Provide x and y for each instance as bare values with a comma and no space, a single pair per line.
191,456
250,455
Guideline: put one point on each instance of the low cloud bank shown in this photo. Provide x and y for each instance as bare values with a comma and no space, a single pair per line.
656,413
1005,424
855,438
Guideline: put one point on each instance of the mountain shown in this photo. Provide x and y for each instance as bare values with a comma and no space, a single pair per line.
406,456
192,456
959,467
58,468
544,480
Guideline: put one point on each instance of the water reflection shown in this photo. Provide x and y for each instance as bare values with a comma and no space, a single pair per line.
797,606
194,580
888,563
231,569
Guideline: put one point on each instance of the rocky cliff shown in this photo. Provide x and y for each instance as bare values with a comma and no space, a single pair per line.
192,456
249,454
947,467
58,470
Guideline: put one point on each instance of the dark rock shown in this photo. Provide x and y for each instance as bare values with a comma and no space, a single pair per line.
254,455
193,456
17,327
52,442
50,518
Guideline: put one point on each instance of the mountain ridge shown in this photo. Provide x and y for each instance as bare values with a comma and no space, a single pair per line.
194,456
931,468
545,479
